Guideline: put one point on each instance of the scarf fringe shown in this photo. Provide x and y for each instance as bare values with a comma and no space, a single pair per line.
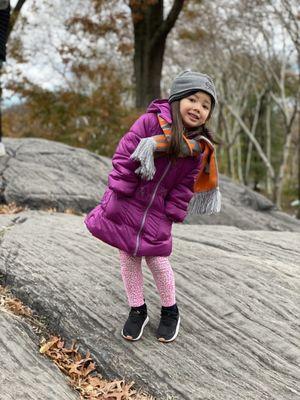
144,154
206,202
2,150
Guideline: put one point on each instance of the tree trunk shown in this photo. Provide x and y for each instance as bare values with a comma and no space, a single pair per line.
298,211
150,34
298,108
253,131
268,146
8,21
4,28
147,68
239,160
248,162
228,148
280,177
1,129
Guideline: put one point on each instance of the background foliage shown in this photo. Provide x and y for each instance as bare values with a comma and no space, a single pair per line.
250,49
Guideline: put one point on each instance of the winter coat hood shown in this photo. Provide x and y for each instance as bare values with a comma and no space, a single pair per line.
162,107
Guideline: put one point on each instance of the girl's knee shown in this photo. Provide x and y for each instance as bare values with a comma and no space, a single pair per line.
151,261
157,263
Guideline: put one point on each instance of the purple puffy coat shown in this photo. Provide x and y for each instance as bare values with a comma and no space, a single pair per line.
136,215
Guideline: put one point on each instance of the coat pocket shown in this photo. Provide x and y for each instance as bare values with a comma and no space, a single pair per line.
164,229
158,226
113,208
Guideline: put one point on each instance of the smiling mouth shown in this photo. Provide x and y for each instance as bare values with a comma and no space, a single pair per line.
193,116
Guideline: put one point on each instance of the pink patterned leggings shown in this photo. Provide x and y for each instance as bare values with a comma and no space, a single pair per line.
131,271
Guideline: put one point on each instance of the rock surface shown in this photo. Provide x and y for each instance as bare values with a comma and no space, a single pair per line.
45,174
238,293
24,373
246,209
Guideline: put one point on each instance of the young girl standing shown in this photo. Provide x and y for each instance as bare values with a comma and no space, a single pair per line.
165,160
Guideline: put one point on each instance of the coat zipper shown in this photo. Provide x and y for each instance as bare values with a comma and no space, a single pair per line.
146,211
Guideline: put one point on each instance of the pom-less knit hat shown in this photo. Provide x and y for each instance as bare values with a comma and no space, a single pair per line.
189,81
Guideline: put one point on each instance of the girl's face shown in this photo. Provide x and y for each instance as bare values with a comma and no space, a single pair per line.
195,109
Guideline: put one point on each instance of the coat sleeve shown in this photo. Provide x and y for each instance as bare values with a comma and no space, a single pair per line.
123,179
177,200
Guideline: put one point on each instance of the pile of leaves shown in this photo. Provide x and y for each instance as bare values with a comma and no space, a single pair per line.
70,211
11,208
81,369
15,306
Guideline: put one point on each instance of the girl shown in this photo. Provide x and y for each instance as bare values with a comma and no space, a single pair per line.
166,157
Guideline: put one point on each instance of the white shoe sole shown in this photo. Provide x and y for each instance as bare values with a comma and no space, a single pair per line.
140,335
162,340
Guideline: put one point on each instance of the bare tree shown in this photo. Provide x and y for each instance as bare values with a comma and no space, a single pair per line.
8,20
290,20
150,34
277,71
4,25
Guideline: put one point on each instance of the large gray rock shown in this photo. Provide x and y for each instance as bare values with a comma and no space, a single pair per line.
44,174
238,293
246,209
24,373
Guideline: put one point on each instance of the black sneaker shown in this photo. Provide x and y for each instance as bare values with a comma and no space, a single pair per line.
136,322
169,324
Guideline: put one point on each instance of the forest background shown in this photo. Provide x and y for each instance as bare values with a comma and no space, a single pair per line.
81,72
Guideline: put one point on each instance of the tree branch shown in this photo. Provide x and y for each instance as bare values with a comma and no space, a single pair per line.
168,23
253,140
14,16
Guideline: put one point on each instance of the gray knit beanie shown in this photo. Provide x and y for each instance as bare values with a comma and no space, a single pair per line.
189,81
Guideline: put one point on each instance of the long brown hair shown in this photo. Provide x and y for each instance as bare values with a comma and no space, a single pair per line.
177,142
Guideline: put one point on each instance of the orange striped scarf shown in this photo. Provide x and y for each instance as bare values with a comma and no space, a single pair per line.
207,198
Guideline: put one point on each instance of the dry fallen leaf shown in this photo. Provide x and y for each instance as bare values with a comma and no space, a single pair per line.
10,208
49,344
17,307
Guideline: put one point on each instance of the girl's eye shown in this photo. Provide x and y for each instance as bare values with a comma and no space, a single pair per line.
192,99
